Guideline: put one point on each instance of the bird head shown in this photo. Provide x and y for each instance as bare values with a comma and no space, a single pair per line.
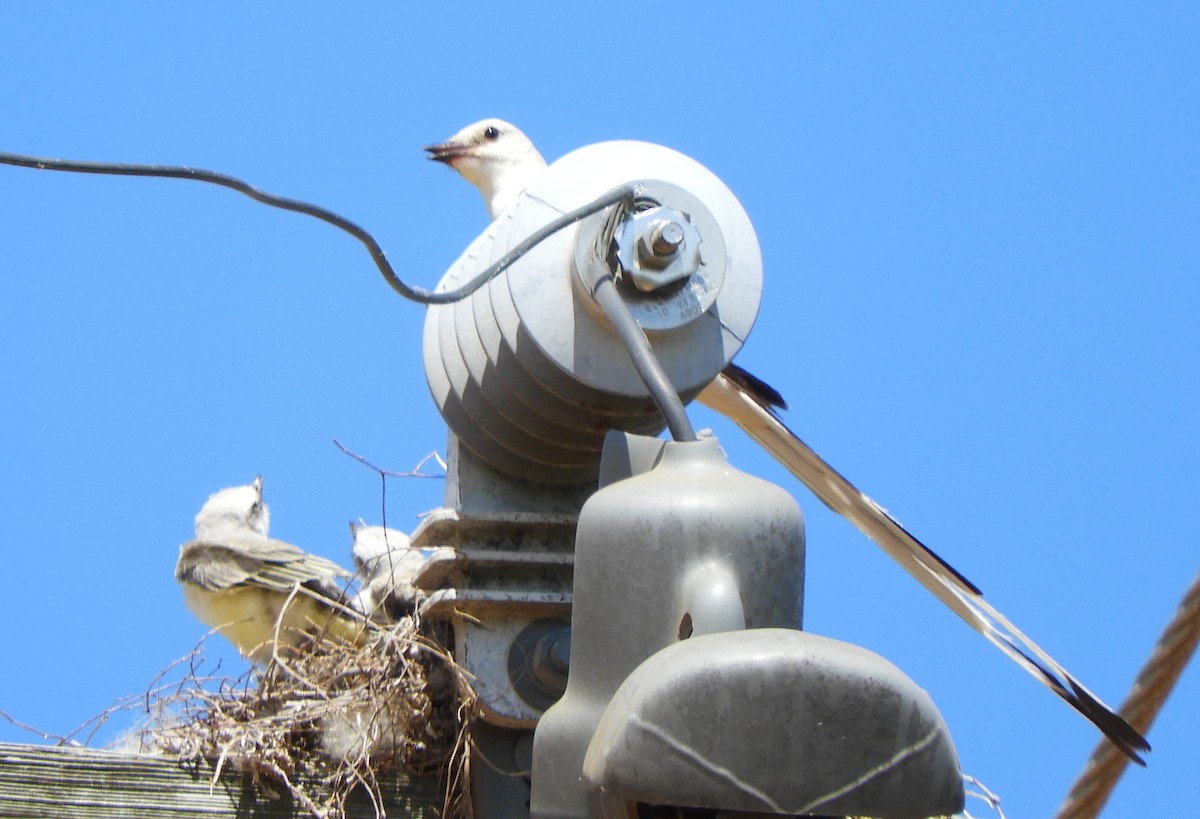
373,543
495,157
237,508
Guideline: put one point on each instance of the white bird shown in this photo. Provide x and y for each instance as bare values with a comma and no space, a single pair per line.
251,588
389,567
495,157
373,546
501,162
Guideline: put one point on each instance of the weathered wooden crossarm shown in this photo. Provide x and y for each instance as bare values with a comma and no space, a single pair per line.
84,783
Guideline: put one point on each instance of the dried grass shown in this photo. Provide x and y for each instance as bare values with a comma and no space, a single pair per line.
335,714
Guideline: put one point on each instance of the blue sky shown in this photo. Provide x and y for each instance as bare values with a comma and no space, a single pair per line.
979,225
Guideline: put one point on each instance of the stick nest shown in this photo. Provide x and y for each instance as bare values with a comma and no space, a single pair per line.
325,719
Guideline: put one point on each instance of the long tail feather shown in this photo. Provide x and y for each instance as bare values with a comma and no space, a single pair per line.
739,396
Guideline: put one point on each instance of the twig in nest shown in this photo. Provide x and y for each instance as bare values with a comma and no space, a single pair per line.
60,740
331,713
384,474
415,472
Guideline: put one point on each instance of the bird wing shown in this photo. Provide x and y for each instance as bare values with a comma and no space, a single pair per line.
264,562
740,397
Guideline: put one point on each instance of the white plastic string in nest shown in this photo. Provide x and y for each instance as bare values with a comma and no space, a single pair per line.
977,790
335,713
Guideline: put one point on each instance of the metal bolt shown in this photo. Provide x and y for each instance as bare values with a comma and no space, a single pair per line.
560,651
538,661
658,247
658,243
551,660
666,238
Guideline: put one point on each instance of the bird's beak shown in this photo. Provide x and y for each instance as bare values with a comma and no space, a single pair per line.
447,151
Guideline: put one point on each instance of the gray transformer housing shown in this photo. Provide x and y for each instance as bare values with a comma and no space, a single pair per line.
691,684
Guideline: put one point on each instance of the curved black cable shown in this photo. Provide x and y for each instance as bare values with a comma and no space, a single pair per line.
603,288
604,291
417,294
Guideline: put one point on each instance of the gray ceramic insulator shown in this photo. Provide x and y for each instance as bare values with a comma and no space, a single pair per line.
647,550
691,683
529,375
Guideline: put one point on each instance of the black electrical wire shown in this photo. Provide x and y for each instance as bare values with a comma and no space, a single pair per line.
603,288
417,294
604,291
617,194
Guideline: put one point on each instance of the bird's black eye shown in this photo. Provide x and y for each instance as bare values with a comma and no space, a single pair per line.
491,133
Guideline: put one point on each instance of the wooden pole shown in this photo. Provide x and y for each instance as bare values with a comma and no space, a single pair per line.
83,783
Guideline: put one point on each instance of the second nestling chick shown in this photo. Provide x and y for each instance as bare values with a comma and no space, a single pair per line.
389,568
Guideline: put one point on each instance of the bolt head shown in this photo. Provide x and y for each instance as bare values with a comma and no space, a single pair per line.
667,237
658,247
551,661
